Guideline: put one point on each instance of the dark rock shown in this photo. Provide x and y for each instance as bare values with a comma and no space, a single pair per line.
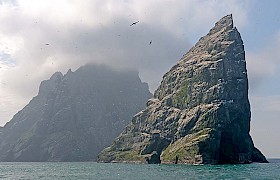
154,158
200,112
74,116
1,129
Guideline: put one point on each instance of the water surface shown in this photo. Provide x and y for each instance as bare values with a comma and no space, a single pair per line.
92,170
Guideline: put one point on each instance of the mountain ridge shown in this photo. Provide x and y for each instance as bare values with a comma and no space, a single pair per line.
74,116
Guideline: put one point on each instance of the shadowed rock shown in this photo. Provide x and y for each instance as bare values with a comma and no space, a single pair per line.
200,114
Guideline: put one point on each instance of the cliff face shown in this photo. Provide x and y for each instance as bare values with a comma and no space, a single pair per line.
74,116
1,133
200,113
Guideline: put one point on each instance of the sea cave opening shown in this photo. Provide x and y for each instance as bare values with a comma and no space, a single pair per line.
226,152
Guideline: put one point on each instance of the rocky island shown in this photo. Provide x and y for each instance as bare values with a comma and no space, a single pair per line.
200,114
74,116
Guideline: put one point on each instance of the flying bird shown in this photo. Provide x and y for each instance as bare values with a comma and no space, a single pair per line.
151,42
134,23
47,44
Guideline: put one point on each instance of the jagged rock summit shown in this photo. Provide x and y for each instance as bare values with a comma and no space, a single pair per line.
74,116
200,114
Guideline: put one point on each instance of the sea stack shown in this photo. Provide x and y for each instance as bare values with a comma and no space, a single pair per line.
200,114
74,116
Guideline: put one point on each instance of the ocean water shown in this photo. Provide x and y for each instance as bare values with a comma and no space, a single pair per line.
91,170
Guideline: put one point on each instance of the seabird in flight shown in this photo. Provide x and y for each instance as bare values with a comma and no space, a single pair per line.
134,23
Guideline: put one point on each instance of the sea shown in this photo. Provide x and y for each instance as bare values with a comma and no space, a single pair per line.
118,171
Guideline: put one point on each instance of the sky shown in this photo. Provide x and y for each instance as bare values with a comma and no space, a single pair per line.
39,37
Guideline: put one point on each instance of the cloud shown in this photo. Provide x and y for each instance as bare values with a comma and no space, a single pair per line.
264,63
266,104
8,102
264,73
265,124
99,31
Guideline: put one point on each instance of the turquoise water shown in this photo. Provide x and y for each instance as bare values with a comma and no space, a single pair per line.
91,170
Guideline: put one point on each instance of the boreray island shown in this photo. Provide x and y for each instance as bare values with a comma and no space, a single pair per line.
200,113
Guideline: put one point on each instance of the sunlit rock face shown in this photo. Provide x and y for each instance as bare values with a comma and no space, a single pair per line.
74,116
200,114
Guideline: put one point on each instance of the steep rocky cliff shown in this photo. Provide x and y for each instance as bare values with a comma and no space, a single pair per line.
74,116
200,114
1,133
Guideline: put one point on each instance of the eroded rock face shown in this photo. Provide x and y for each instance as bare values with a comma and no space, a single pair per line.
200,114
74,116
1,133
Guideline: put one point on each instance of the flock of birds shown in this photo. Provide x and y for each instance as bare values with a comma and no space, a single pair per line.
134,23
